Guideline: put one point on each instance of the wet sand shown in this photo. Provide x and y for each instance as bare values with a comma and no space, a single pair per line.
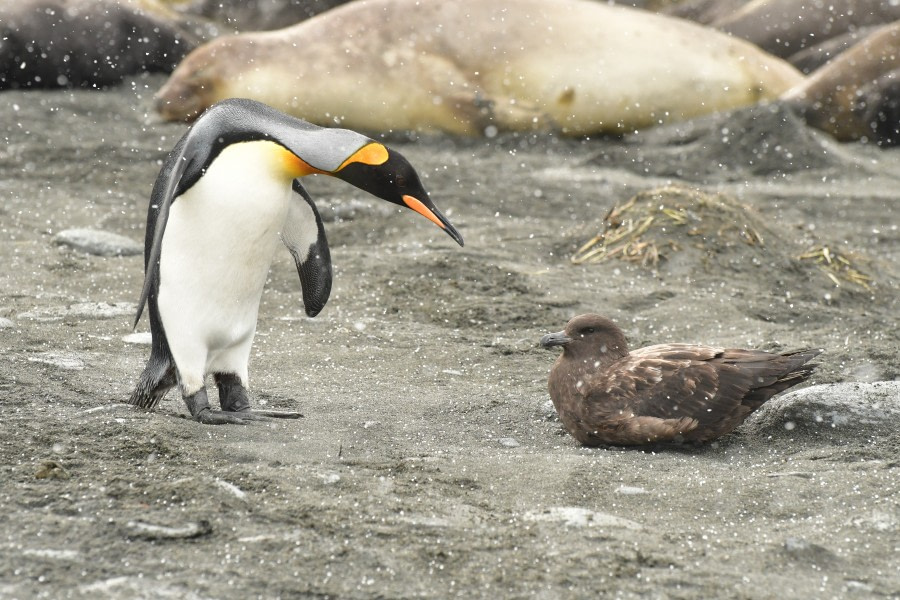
428,462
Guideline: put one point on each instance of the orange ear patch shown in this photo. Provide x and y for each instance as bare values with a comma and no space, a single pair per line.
371,154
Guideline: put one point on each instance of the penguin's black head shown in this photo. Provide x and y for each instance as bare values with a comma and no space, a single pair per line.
394,180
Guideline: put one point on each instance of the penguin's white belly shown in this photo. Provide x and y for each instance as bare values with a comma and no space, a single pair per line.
220,238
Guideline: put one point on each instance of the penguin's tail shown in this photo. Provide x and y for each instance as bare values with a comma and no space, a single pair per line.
158,378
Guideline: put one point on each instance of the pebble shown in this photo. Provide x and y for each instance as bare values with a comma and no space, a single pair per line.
232,489
509,442
50,469
142,338
150,531
68,361
329,477
98,242
549,411
6,323
575,516
86,310
877,521
627,490
806,551
858,586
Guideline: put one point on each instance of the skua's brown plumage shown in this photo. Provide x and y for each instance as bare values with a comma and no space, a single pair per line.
605,394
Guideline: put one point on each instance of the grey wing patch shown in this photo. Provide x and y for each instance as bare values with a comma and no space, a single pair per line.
325,149
304,236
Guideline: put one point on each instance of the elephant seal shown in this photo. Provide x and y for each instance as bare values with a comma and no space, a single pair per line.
812,57
786,27
233,16
87,43
470,67
856,96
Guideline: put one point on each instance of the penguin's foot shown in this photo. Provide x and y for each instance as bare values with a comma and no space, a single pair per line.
232,393
271,414
198,405
244,417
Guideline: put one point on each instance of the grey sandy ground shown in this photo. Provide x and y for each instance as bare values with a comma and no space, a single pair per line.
427,464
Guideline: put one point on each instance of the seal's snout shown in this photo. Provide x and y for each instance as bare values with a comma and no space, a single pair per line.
555,339
180,101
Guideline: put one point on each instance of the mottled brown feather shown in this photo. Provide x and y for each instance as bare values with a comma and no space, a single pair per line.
663,393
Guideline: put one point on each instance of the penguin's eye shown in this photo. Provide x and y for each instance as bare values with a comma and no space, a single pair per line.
400,181
588,331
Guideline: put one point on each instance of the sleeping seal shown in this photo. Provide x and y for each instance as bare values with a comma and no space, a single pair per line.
856,95
786,27
87,43
471,67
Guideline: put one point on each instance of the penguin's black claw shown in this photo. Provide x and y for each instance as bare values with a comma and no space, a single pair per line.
276,414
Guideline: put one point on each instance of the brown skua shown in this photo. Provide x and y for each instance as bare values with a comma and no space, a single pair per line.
605,394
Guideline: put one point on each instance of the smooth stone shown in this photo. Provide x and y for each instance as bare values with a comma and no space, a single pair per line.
575,516
62,360
232,489
627,490
6,323
845,410
806,551
152,531
87,310
98,242
141,338
509,442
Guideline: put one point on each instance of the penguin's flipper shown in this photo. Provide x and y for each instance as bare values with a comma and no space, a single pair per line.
179,161
304,236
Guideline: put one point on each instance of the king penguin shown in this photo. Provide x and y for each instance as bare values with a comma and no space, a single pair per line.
224,196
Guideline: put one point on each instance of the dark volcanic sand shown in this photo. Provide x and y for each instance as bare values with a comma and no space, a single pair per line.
428,463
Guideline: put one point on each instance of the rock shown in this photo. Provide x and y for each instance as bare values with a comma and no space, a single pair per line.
830,411
329,477
69,361
6,323
877,520
232,489
50,469
548,411
98,243
627,490
575,516
85,310
151,531
142,338
509,442
805,551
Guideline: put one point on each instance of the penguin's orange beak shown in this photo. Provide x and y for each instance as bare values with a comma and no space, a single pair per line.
423,210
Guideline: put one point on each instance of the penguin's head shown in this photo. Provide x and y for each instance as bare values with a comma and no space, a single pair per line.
387,174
